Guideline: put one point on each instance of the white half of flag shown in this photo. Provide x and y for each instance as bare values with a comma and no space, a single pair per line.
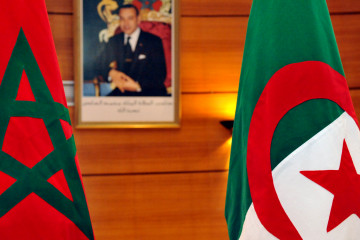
308,204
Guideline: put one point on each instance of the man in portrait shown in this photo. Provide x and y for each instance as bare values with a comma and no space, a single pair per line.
133,61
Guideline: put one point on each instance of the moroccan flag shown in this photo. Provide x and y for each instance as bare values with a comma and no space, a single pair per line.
41,191
295,157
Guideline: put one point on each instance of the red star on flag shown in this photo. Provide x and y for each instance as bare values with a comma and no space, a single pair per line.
344,184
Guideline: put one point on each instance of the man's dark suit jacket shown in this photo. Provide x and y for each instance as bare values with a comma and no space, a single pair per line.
148,66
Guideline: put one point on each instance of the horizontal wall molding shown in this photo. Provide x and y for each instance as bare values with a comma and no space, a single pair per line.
215,7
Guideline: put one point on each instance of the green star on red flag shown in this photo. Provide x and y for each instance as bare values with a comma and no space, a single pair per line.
41,191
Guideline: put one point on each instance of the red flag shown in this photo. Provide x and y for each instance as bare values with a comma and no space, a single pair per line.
41,191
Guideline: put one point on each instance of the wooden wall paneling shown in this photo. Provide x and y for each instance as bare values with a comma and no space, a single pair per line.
160,206
344,6
242,7
214,8
62,6
212,48
62,31
347,33
355,96
201,143
211,53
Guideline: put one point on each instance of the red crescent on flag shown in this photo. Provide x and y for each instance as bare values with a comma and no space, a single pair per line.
289,87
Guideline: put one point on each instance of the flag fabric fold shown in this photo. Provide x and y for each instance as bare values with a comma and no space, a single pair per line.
295,150
41,193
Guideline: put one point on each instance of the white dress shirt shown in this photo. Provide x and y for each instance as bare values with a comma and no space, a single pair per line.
134,37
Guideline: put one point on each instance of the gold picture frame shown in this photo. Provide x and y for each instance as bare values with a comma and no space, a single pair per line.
97,25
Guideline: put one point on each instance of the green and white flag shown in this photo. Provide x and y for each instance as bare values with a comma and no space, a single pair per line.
295,157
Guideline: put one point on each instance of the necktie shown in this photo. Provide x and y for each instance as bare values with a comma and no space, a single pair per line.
128,55
128,46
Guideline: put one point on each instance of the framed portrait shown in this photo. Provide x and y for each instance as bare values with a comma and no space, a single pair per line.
127,64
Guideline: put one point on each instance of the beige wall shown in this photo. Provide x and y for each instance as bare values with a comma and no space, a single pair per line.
142,187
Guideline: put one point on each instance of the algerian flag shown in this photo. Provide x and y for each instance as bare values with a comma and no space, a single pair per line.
295,157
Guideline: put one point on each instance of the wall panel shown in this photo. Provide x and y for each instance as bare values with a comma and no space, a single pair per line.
347,33
201,143
56,6
160,206
355,96
344,6
212,50
62,30
215,7
242,7
211,53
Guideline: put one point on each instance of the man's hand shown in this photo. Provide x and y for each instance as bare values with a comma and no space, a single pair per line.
131,85
123,82
118,79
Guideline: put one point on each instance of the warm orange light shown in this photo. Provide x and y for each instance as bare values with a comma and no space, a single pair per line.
229,109
228,143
